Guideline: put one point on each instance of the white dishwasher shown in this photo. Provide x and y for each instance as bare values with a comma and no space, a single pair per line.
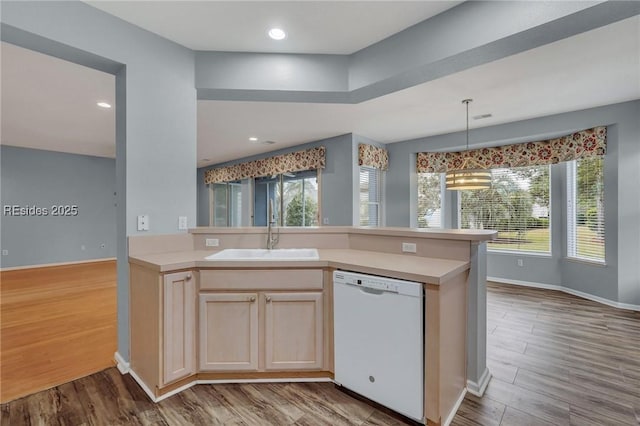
378,340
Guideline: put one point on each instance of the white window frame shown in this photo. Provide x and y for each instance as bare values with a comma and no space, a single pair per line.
443,210
572,223
229,212
380,195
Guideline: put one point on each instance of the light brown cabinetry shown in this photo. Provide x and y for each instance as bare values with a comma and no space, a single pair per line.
228,331
227,324
274,323
293,331
163,325
179,326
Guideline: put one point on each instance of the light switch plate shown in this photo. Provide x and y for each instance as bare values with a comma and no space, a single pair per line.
409,247
143,222
182,223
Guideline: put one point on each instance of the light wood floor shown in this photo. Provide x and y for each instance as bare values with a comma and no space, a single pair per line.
57,324
556,359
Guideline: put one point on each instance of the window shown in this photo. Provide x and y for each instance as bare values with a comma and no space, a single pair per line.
295,194
429,200
227,204
370,196
585,209
517,206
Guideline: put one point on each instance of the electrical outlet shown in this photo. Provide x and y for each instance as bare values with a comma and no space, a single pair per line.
103,245
83,248
325,221
212,242
409,247
5,252
182,223
143,222
520,262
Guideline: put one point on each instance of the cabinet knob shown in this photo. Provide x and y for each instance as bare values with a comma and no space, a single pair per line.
189,276
268,298
252,299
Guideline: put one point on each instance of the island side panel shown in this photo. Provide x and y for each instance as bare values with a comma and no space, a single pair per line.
328,319
453,339
432,354
145,313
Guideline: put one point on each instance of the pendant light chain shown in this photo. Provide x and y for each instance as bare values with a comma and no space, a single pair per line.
466,178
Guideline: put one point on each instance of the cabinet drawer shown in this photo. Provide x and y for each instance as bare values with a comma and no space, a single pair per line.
261,279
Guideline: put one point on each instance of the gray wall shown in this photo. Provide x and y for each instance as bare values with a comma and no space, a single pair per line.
44,178
155,113
619,280
271,71
337,179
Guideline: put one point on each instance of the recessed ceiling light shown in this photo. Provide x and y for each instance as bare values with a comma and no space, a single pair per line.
103,105
253,139
277,34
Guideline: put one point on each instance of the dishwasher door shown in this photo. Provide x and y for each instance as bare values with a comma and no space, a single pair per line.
378,340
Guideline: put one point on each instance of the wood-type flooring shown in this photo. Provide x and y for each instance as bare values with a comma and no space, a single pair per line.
57,323
556,359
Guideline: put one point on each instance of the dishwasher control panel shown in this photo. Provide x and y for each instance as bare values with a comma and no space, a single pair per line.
378,283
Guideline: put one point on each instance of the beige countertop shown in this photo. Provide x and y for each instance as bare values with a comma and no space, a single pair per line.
401,266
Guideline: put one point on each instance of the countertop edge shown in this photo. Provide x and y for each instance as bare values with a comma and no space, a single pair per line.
361,267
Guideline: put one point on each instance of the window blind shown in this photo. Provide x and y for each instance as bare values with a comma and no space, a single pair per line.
585,209
517,206
370,196
429,200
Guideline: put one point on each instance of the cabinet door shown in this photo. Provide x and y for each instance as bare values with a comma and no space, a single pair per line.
179,326
228,331
293,329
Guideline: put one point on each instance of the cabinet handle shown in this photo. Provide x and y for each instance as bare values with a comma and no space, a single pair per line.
252,299
189,276
268,298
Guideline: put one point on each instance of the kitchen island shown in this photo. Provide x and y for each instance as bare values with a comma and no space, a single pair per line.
201,321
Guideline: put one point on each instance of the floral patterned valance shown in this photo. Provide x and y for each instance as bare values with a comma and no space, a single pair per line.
373,156
309,159
585,143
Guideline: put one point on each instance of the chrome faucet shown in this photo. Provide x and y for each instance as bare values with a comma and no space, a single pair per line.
271,239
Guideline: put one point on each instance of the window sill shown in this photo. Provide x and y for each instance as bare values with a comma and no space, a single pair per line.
586,261
519,253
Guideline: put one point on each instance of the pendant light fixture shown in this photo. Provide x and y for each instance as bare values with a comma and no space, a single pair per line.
467,178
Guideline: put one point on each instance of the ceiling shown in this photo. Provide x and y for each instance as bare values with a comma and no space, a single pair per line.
595,68
50,104
329,27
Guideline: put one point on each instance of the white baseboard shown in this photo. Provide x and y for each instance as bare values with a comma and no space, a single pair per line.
292,380
123,366
478,389
175,391
144,387
454,409
567,290
154,398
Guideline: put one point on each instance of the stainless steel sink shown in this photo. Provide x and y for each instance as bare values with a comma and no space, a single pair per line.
264,254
